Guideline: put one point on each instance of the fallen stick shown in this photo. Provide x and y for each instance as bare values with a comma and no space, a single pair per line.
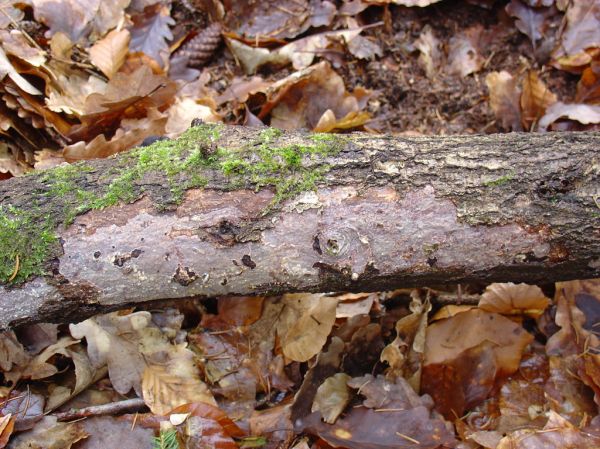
112,408
238,211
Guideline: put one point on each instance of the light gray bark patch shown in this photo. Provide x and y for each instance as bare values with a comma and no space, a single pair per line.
358,233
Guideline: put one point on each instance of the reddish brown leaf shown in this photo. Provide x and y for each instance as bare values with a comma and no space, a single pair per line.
403,421
588,88
535,99
213,413
466,356
300,100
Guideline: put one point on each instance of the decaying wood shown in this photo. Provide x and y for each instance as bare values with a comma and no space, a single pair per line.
389,211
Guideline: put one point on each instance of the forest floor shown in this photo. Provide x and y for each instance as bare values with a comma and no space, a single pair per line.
471,366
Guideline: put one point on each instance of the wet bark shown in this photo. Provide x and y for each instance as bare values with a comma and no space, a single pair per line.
388,211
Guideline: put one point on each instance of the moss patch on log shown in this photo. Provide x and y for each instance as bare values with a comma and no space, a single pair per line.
24,244
267,159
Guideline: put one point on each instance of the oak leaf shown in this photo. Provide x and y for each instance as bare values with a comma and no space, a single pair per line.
174,381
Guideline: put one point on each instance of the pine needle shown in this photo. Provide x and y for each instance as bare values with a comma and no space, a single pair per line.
166,440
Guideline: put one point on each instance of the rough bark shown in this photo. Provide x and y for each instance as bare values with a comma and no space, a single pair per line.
387,211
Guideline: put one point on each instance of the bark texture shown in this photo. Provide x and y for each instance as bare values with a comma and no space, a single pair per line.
387,211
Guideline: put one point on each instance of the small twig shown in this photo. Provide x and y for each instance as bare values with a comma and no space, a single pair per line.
112,408
407,438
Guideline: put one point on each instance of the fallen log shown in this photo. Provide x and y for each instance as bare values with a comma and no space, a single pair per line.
238,211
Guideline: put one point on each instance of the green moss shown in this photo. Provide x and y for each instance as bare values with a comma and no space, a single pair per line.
500,181
289,166
25,244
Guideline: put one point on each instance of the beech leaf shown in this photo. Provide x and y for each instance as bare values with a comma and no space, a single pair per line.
108,54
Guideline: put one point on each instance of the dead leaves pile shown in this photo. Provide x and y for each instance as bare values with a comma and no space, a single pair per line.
377,370
568,34
88,80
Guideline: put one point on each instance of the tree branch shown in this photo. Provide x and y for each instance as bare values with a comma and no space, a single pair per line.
239,211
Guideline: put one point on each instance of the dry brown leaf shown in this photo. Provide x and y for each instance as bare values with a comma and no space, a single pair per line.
7,425
181,114
352,304
302,52
581,33
588,87
127,96
430,57
108,54
558,433
278,19
85,375
131,133
447,339
332,397
115,341
504,99
150,32
531,21
15,43
6,68
466,355
464,53
514,299
173,382
12,353
61,46
581,113
39,367
110,432
326,365
535,99
49,434
573,350
305,324
301,99
25,407
449,311
68,94
8,163
241,88
404,355
421,3
392,416
79,19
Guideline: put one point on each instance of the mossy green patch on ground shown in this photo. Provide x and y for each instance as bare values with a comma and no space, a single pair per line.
184,163
24,244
